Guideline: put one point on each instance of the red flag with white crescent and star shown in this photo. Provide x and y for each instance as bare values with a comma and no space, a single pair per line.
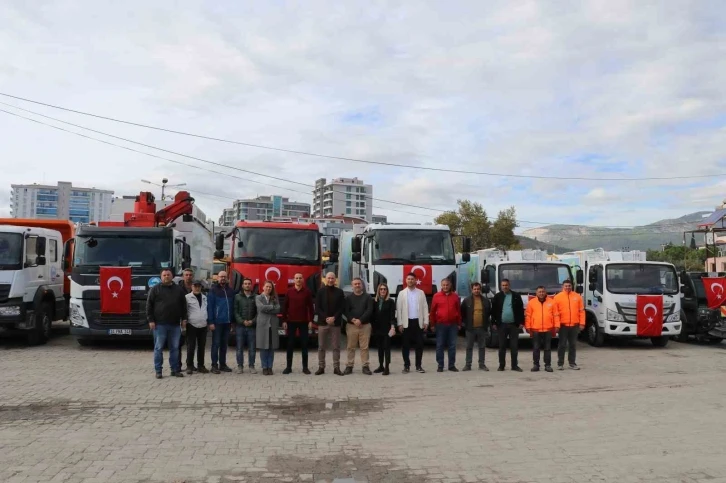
649,315
714,288
424,276
115,287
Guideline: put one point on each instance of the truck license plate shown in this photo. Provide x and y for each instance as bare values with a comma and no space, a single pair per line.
119,332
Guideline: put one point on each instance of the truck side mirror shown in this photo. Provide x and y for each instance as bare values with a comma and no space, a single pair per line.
334,247
579,276
40,247
68,254
219,254
579,289
465,257
484,277
186,256
593,286
355,256
40,260
592,277
355,246
466,245
219,243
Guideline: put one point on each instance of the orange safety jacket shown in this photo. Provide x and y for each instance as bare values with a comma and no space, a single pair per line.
570,309
541,316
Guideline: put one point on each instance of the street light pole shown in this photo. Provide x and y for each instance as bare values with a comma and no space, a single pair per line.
163,185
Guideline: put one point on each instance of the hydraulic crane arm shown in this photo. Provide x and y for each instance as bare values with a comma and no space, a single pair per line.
183,205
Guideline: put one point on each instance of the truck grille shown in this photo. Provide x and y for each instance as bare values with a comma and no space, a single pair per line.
135,320
4,292
628,311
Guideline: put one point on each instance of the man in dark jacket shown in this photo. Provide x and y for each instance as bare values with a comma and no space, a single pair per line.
166,311
220,307
475,314
508,320
297,318
358,312
245,314
329,307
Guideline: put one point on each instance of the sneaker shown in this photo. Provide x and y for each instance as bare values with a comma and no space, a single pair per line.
379,370
158,375
440,369
386,372
337,372
560,367
348,371
215,369
453,369
177,374
225,369
239,370
190,367
548,369
203,370
287,370
574,367
500,368
306,371
535,368
253,370
367,371
484,368
466,368
420,370
320,371
517,369
406,370
190,371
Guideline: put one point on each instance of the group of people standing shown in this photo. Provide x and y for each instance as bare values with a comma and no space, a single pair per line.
254,321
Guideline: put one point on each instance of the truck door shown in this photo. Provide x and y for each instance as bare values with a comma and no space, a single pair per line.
34,273
596,299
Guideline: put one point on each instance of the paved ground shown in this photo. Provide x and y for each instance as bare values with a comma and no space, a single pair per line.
634,413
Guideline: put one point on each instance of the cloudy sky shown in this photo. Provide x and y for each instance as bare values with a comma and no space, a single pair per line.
595,89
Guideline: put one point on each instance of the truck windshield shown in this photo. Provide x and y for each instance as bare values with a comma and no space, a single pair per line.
281,245
526,277
11,251
219,267
145,254
394,247
640,278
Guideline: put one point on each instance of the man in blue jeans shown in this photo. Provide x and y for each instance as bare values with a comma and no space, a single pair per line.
445,318
245,314
220,310
166,311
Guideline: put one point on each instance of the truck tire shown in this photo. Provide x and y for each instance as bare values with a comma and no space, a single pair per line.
595,335
661,341
42,325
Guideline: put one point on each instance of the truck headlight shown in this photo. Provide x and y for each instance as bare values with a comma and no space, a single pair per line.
12,310
76,316
674,317
614,316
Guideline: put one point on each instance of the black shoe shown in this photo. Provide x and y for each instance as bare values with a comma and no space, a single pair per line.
306,371
287,370
225,369
337,372
265,372
548,369
466,368
203,370
420,370
517,369
348,371
484,368
190,371
535,369
320,371
367,371
453,369
406,370
158,375
379,370
386,371
500,368
440,369
215,369
190,367
177,374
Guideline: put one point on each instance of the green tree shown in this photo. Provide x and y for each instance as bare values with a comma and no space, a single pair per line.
503,229
684,258
470,219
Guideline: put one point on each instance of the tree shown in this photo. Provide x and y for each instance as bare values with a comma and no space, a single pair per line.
503,229
471,220
684,258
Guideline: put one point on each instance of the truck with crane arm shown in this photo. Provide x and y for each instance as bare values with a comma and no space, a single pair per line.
145,243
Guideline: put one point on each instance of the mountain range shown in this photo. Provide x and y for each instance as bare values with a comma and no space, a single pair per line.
559,238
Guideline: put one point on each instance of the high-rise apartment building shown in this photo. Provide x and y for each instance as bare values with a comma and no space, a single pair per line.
343,197
264,208
379,219
63,202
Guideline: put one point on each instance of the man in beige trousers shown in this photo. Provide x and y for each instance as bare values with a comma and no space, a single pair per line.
358,312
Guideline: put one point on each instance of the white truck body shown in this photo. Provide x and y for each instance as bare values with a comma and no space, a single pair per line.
612,282
31,280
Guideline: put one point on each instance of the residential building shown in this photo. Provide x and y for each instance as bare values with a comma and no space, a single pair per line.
343,197
333,226
264,208
379,219
62,201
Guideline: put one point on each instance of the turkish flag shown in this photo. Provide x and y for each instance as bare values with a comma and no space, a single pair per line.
115,290
649,315
424,276
714,288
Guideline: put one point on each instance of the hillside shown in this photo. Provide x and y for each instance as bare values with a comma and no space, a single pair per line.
650,236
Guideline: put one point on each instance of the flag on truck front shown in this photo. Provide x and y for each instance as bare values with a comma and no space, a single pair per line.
649,310
115,290
714,288
424,276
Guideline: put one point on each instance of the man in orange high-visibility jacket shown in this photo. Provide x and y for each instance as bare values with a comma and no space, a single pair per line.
572,320
541,320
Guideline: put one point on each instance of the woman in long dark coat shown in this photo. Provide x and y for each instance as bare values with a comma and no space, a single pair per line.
267,338
384,326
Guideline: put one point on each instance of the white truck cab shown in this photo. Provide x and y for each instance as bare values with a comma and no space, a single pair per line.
31,281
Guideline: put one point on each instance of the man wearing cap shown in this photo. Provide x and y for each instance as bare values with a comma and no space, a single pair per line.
196,328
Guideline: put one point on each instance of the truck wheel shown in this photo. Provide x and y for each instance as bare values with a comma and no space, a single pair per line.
595,335
661,341
42,326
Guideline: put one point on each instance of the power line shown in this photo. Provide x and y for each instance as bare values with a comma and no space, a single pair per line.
365,161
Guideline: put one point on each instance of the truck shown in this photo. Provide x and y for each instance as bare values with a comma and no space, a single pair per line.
387,253
146,242
34,291
525,270
701,322
614,282
275,251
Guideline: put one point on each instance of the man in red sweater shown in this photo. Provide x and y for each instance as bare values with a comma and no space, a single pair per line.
297,319
445,320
